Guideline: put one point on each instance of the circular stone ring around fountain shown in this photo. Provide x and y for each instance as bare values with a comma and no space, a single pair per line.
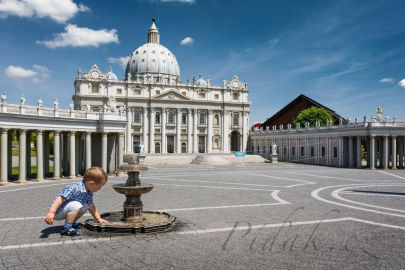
133,219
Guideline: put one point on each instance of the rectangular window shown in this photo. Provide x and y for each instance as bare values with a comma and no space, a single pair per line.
323,151
216,96
201,95
285,151
312,151
94,88
157,118
302,151
157,92
136,143
119,91
293,150
183,119
235,96
335,152
137,117
184,93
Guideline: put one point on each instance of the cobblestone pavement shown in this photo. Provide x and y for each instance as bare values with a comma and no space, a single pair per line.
258,216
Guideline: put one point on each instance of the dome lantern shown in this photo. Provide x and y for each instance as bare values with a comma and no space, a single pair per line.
153,33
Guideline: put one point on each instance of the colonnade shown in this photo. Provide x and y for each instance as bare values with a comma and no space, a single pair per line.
372,151
73,153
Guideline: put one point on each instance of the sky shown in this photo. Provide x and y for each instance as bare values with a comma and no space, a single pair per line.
346,55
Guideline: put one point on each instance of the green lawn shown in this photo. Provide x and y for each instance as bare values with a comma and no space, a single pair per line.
15,170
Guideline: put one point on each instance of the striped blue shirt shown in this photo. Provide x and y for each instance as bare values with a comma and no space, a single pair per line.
75,192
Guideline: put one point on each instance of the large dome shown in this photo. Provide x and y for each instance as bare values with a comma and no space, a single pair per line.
152,58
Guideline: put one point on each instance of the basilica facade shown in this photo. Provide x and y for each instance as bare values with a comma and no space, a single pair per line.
163,113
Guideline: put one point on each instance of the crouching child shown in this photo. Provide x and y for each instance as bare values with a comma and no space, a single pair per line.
75,199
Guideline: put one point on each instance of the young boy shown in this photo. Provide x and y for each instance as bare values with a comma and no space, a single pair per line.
75,199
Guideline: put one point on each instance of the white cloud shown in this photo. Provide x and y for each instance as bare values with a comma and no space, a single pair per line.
58,10
402,83
387,80
182,1
81,37
36,74
187,41
122,61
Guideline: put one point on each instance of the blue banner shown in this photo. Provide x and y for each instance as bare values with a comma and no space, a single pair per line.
239,154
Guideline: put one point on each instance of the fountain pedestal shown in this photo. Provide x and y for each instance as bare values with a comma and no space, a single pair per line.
133,219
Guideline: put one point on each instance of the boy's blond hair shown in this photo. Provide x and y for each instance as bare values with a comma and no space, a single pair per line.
96,174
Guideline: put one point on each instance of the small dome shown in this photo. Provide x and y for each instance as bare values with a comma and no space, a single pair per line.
111,75
201,81
152,58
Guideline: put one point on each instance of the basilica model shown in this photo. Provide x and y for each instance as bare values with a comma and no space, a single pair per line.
164,114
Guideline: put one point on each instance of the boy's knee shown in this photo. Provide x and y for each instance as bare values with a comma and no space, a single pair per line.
84,207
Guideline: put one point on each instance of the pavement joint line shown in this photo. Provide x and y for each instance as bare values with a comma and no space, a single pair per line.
279,177
391,174
210,182
371,194
315,194
196,232
336,192
324,176
42,186
274,195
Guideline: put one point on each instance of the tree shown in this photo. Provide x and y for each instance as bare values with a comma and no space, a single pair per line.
312,115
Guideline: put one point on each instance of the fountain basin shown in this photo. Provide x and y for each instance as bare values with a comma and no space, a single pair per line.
151,222
132,190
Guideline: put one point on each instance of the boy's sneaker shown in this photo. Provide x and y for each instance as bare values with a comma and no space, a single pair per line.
70,232
77,225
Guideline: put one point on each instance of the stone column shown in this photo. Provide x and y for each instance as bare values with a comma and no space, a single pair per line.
104,151
351,154
394,152
306,154
46,153
330,151
401,152
9,155
145,129
372,152
245,128
195,132
385,152
40,156
151,130
72,155
77,153
209,132
88,150
381,152
3,158
189,131
128,133
289,149
28,155
178,131
164,146
120,149
297,150
317,150
281,150
65,154
22,158
226,131
56,155
358,151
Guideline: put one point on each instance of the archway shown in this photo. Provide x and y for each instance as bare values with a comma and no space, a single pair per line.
235,141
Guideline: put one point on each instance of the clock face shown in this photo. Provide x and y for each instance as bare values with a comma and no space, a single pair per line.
94,75
235,84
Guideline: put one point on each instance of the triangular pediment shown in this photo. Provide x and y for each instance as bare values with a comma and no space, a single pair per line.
171,95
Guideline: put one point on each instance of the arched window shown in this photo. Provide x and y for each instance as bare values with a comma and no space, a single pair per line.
217,120
202,118
157,118
184,148
236,119
184,119
170,119
157,147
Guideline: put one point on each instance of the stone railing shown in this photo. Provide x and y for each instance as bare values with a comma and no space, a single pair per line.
349,125
57,112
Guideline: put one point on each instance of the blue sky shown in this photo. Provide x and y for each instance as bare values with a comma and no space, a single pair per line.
347,55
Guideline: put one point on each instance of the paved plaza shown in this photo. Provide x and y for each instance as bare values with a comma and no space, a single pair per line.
253,216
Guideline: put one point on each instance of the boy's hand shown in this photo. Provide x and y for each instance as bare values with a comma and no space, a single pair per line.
100,220
49,218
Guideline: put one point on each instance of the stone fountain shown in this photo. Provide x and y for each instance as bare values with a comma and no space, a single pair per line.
133,219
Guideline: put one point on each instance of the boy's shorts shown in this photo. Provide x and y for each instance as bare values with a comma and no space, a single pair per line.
71,207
